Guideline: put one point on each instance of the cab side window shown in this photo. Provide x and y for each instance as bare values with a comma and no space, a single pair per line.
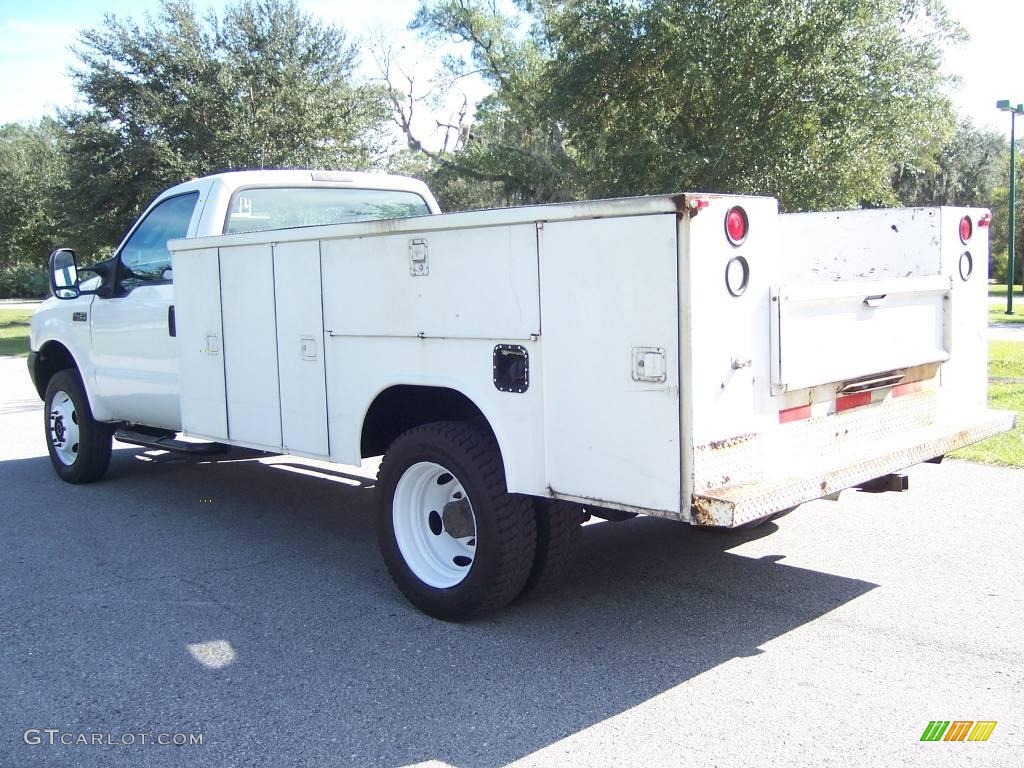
145,254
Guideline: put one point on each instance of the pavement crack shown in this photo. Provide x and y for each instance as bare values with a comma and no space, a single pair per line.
205,591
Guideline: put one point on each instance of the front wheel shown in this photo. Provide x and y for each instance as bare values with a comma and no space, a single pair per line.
79,446
455,541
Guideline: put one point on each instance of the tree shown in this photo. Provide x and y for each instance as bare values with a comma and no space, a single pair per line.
266,85
970,170
966,171
514,151
1000,233
31,177
813,102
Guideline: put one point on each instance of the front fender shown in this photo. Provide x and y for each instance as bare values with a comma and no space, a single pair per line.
57,338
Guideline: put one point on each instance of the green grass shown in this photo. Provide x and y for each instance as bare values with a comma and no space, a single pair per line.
998,314
995,290
1007,448
14,331
1005,360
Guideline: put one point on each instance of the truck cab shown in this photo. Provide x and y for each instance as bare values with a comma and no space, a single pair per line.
119,331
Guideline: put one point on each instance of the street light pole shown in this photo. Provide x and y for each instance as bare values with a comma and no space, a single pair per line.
1012,246
1004,105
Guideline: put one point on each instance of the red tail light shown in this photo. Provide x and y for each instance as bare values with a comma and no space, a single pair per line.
966,229
736,225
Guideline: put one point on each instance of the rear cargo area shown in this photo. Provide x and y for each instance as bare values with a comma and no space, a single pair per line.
874,358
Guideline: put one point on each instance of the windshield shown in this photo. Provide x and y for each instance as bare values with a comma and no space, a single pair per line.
256,209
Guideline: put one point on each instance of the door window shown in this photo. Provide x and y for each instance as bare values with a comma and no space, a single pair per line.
145,255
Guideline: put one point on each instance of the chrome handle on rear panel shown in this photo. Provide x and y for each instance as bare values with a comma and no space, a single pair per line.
871,383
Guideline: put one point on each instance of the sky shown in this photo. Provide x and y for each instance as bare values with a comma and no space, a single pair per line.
35,36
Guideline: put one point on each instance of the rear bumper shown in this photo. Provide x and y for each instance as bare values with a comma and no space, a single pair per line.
761,475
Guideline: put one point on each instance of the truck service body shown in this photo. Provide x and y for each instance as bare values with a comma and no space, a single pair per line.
699,357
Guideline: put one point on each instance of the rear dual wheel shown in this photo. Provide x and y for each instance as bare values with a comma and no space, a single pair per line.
455,541
559,539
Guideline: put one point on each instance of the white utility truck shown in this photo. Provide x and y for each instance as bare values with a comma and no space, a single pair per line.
698,357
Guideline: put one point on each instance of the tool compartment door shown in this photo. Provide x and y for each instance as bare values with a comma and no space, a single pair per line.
250,346
609,304
200,341
454,284
300,347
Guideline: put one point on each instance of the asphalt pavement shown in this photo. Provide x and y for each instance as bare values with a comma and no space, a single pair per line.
242,602
1006,331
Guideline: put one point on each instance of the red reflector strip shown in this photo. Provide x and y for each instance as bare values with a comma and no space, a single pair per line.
846,402
795,414
908,388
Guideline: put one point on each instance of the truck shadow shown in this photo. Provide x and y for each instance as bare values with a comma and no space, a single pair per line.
327,660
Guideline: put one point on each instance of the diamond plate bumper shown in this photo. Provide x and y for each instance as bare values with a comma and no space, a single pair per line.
750,477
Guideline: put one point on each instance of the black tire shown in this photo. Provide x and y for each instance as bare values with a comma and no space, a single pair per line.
505,526
559,539
92,456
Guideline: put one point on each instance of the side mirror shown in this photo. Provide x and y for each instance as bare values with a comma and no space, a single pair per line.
64,274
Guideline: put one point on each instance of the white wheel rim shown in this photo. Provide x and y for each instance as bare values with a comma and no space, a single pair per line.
428,500
64,427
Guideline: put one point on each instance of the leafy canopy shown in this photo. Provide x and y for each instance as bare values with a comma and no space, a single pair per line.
812,101
178,96
31,179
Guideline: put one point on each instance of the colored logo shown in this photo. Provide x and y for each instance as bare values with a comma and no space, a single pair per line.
958,730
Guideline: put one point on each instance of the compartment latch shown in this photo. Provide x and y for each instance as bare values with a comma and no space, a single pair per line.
649,364
418,264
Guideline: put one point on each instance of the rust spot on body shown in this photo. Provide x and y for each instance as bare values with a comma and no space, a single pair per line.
702,511
715,509
729,442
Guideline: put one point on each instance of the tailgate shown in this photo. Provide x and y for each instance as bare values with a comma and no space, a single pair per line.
834,332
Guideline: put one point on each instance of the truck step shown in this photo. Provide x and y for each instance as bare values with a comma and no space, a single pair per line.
167,442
